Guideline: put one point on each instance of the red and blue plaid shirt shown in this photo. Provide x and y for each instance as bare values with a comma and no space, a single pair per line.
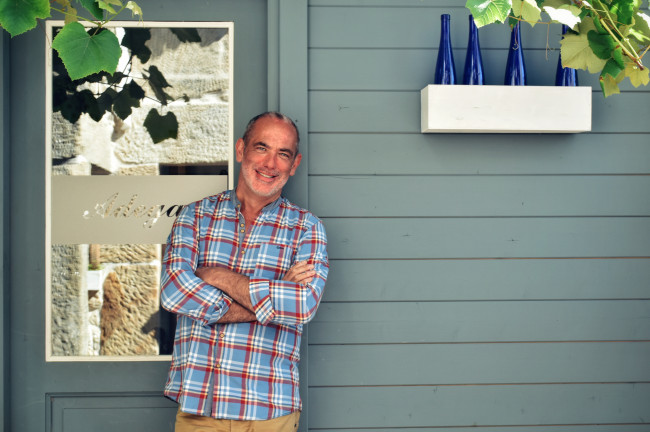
242,371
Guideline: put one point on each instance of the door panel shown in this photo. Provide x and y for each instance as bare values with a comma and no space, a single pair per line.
81,396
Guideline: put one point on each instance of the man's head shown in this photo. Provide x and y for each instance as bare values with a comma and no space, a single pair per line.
268,153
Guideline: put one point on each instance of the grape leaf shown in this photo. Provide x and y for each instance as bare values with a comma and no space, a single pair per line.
107,5
576,52
609,85
612,68
84,54
19,16
624,10
637,76
489,11
641,28
92,7
161,127
568,15
601,45
527,10
134,8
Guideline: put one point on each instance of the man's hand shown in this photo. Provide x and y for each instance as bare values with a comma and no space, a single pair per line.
301,273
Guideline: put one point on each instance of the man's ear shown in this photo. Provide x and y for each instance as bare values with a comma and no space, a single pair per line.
296,163
239,150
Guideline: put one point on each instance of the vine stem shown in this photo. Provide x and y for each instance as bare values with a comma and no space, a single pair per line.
606,24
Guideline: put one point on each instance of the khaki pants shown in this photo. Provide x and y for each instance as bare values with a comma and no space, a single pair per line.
194,423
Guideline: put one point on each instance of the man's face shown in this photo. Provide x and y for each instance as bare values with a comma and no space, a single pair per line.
267,160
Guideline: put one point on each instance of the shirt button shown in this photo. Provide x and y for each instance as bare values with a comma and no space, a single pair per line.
218,365
241,230
222,335
243,251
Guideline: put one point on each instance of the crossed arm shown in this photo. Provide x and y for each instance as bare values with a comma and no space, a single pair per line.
236,286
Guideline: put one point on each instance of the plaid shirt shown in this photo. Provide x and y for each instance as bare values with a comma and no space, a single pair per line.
241,371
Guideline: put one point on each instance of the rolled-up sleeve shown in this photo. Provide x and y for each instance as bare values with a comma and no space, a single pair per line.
282,302
182,292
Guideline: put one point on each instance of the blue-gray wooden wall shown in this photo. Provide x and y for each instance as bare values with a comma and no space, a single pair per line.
494,281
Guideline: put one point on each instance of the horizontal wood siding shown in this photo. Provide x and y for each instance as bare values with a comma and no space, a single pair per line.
477,282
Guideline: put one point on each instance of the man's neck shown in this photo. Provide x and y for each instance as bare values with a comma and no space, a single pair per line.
252,206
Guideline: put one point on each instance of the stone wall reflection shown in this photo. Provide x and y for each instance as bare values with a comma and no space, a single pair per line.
105,298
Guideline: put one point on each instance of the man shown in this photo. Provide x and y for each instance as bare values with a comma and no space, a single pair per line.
243,271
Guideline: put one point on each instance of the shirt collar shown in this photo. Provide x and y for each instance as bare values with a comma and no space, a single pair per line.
269,207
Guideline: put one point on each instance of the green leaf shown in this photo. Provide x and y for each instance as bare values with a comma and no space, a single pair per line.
84,54
599,26
612,68
135,40
134,8
161,127
601,45
568,15
158,82
637,75
618,56
624,10
641,28
92,7
489,11
19,16
527,10
107,6
608,84
576,52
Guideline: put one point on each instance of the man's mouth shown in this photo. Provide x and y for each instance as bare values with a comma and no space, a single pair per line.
266,175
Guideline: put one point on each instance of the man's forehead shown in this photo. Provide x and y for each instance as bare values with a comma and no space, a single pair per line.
269,125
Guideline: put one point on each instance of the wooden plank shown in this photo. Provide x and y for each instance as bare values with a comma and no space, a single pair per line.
417,153
388,26
456,322
399,112
448,280
442,364
413,69
365,196
467,406
413,238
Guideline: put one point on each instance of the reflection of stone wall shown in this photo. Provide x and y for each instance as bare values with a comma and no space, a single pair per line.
114,309
69,299
129,313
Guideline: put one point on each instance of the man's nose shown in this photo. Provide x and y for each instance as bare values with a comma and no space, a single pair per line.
270,161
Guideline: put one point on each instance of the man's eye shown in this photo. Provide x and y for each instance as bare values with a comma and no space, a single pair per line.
284,155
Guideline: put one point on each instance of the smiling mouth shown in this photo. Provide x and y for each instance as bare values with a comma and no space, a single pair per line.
266,176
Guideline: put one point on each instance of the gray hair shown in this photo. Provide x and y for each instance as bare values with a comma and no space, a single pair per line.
275,115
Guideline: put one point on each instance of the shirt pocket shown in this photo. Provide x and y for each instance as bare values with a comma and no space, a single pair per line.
273,260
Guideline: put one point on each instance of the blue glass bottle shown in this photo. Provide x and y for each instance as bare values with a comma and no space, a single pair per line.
473,74
565,76
445,68
516,67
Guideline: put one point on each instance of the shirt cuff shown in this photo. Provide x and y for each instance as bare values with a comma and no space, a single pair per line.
261,300
215,312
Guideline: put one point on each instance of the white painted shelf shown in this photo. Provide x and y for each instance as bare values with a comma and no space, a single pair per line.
505,109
